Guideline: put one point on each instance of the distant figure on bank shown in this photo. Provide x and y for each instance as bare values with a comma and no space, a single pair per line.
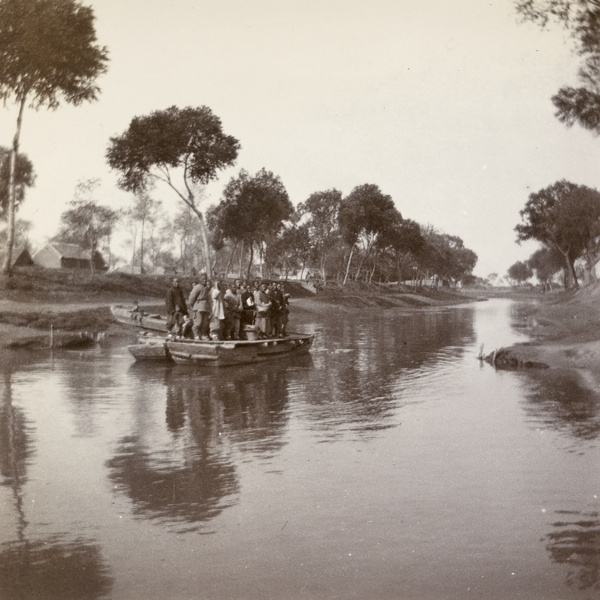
176,308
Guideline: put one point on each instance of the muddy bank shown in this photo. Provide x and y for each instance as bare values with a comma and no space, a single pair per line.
27,323
565,331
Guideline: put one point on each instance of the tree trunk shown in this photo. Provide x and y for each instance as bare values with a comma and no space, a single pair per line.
241,259
12,191
592,272
250,263
261,254
230,261
93,253
142,249
348,265
373,273
133,255
204,235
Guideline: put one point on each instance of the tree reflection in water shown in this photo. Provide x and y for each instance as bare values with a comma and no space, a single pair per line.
368,364
194,490
53,569
576,543
558,400
193,479
49,568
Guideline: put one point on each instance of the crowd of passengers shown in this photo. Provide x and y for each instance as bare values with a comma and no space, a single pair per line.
222,310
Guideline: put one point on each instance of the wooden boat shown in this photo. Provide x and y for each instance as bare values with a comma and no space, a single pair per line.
150,348
144,320
221,353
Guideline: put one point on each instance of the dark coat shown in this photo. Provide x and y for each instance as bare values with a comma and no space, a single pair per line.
176,301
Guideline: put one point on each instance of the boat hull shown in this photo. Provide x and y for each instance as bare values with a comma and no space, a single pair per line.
221,353
141,320
150,350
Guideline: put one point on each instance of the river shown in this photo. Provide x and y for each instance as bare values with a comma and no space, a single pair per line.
388,464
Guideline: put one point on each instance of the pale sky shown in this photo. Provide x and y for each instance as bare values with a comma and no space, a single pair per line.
444,105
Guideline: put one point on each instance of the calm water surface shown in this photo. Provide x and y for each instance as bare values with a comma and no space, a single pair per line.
388,464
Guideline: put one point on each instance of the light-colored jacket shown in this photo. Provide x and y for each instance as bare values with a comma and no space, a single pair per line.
199,298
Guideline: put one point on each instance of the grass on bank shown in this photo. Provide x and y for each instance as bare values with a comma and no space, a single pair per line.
36,285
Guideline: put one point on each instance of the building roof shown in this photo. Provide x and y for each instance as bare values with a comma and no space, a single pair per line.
70,250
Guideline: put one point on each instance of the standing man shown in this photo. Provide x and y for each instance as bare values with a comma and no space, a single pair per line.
199,301
263,304
217,314
285,308
247,316
233,312
176,308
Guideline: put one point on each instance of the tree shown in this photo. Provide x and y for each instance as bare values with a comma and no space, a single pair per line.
364,215
582,19
395,249
189,240
520,272
290,248
188,142
253,209
143,213
87,223
546,262
24,178
320,213
48,51
566,217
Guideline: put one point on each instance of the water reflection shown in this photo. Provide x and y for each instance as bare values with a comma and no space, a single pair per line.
54,568
560,401
575,542
16,443
361,376
191,477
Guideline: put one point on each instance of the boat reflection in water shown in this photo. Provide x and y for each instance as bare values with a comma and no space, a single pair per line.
192,478
345,473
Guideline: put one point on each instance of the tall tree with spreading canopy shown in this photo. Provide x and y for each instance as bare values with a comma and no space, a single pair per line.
320,212
48,52
364,216
520,272
181,147
566,217
252,210
546,262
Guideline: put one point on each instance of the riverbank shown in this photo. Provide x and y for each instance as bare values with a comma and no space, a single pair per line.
35,302
565,332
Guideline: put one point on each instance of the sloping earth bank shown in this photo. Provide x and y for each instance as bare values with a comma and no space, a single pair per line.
37,301
566,335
